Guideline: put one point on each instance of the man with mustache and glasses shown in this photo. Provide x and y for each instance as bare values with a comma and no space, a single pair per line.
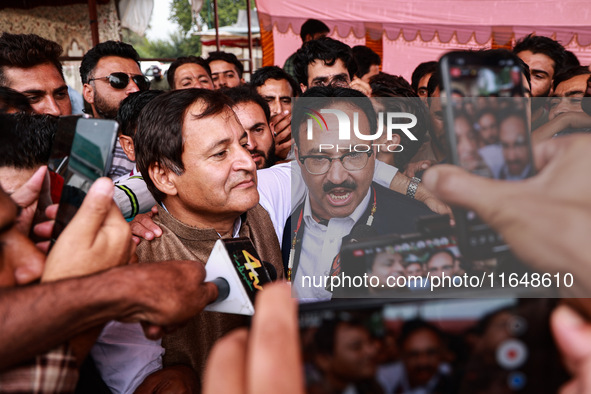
342,203
110,72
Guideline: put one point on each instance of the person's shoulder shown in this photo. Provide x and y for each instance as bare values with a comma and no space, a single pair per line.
149,250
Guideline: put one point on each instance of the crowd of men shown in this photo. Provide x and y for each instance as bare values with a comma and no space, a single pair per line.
216,157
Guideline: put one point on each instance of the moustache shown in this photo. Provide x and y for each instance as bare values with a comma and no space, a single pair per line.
329,186
259,152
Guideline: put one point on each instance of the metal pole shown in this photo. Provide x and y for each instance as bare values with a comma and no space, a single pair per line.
217,24
250,63
93,22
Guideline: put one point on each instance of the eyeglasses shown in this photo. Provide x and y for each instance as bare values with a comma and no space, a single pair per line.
121,80
353,161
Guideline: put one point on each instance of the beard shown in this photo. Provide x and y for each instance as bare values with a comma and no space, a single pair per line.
269,157
103,108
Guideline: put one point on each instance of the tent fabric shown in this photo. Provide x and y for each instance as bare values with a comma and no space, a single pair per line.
135,14
414,31
446,17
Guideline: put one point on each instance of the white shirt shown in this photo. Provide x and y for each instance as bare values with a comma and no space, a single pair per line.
320,245
132,195
124,356
493,158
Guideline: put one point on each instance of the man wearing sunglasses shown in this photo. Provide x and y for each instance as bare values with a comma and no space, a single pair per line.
110,72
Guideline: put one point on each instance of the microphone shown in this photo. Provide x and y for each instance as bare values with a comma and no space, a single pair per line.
271,270
239,274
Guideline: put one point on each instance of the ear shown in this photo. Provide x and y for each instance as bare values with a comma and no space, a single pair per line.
396,139
127,145
242,81
163,178
88,93
303,87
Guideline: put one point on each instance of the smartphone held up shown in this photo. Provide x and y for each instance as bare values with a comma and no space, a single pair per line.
487,126
81,153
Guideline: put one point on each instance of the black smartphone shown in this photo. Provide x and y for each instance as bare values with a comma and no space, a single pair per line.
488,131
82,152
501,345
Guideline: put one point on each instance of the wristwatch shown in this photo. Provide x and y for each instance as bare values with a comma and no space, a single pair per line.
413,186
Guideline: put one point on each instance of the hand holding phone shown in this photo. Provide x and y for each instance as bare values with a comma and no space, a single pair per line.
81,153
96,239
487,128
546,219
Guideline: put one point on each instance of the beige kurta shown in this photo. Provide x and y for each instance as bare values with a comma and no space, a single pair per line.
191,344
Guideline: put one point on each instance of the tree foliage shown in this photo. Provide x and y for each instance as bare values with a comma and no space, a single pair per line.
183,42
227,11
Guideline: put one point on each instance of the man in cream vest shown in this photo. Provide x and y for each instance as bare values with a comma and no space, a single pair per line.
192,150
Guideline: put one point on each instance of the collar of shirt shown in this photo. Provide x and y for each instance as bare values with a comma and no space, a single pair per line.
237,224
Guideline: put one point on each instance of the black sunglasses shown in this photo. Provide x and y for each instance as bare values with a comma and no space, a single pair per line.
121,80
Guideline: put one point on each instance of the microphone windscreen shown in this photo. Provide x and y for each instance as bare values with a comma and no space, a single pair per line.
271,270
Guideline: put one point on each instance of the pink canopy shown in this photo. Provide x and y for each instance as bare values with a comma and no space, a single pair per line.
413,31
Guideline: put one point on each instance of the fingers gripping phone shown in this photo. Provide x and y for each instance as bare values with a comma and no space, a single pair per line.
487,129
81,153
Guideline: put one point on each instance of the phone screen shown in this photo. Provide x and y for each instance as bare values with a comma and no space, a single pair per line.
427,266
431,346
488,130
81,153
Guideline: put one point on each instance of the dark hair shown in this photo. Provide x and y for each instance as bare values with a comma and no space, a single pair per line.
10,99
25,139
184,60
261,76
569,73
325,335
107,48
27,50
312,27
570,60
544,45
434,83
247,94
406,101
411,326
159,135
524,70
228,58
486,111
326,49
365,58
321,96
422,70
510,113
386,85
130,108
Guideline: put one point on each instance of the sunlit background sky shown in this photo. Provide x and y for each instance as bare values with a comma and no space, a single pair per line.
160,26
